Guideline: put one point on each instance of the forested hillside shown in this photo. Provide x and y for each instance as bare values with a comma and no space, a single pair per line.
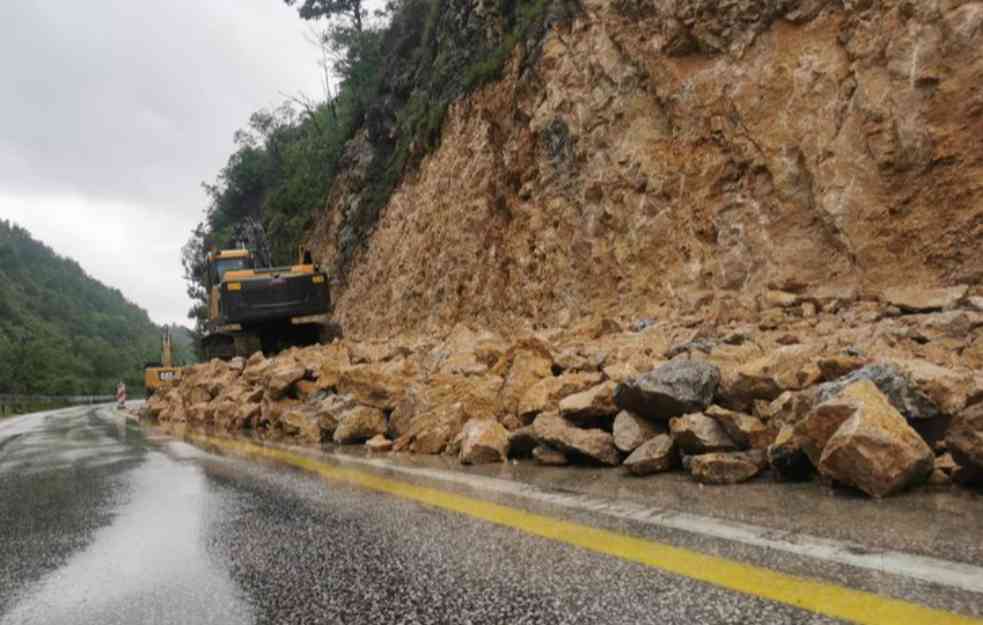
61,331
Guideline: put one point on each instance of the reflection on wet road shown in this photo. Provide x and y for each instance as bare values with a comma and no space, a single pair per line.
125,526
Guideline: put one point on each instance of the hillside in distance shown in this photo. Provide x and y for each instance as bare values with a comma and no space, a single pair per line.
63,332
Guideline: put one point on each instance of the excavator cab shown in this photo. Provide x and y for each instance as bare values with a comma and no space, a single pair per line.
256,307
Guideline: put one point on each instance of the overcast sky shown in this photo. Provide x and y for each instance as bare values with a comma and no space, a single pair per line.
112,113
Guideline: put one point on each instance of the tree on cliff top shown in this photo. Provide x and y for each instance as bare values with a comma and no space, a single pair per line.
316,9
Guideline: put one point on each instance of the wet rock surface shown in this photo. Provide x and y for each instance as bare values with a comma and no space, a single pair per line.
673,389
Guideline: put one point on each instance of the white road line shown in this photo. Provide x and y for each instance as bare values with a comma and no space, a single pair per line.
926,569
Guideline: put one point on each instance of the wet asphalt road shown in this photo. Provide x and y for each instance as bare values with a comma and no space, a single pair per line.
98,524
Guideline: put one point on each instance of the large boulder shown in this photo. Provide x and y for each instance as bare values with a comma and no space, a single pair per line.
727,468
484,441
595,445
545,395
918,300
894,383
875,450
359,424
699,434
673,389
587,406
656,455
964,441
380,385
746,431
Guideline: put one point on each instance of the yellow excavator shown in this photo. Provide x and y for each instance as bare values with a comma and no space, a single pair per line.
156,374
252,307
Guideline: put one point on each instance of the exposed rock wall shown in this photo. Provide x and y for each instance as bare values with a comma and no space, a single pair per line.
685,155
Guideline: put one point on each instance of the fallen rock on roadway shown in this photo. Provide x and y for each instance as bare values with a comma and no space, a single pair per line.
598,393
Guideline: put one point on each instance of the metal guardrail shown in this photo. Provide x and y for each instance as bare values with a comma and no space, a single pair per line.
16,404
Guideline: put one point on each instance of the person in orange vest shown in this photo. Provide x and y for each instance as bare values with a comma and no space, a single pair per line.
121,395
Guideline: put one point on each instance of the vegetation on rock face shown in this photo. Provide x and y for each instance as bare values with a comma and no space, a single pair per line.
61,331
399,73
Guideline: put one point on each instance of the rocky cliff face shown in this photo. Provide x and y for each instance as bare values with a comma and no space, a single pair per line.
656,158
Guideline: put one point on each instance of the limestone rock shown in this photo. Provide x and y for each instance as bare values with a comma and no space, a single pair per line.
359,424
948,389
522,367
379,444
282,377
595,445
788,409
549,456
787,459
699,434
916,299
891,381
631,431
964,440
726,468
875,450
590,404
545,395
656,455
302,423
484,441
380,385
675,388
746,431
788,368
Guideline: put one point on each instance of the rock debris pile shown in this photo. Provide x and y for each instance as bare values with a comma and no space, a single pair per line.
878,394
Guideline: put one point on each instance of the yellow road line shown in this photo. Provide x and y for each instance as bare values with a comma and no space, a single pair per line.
811,595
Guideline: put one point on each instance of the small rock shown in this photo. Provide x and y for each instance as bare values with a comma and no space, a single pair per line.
699,434
787,459
484,441
655,456
726,468
631,431
589,405
747,431
379,444
359,424
283,376
946,463
919,300
595,445
875,450
781,299
302,423
939,478
788,409
549,457
671,390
